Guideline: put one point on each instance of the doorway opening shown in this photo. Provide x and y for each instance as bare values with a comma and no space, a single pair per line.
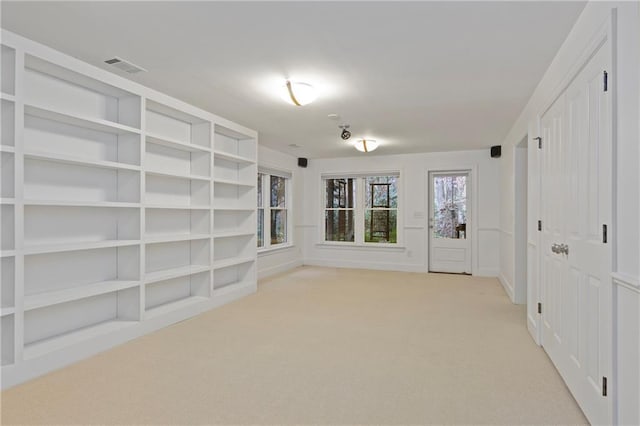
449,222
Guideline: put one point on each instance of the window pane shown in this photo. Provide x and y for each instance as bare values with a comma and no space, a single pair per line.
339,225
278,191
340,193
260,227
381,226
278,226
260,178
382,191
450,206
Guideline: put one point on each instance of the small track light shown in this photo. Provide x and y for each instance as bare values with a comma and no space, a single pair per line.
346,134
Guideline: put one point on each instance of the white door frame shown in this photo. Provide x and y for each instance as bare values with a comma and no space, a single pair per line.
520,156
472,170
534,237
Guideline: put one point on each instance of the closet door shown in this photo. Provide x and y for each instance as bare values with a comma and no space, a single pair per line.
576,261
553,230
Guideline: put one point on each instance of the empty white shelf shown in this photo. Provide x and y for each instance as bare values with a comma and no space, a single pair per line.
219,264
7,253
168,274
7,148
176,144
233,157
7,310
80,292
7,97
231,287
176,207
7,200
234,209
174,238
54,248
66,159
233,182
231,234
178,175
64,203
172,306
74,120
51,344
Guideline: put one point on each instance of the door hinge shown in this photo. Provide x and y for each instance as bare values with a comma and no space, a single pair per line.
539,139
604,386
605,79
604,234
539,307
539,225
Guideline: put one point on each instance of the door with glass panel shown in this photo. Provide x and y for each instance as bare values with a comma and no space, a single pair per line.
449,222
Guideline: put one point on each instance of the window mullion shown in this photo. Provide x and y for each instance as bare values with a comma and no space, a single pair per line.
359,211
288,206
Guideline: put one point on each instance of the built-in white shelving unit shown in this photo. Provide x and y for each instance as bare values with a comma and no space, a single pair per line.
8,175
122,210
235,170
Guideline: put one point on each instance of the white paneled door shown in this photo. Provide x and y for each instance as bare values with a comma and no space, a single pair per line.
449,222
576,257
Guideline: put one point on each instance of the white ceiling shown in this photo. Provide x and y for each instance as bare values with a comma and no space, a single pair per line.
417,76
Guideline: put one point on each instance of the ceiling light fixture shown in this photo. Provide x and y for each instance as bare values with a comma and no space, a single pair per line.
298,94
345,134
366,145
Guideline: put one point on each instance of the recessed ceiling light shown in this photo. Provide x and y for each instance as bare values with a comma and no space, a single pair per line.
294,145
333,116
298,93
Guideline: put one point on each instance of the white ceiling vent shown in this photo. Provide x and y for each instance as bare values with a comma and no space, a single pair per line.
125,65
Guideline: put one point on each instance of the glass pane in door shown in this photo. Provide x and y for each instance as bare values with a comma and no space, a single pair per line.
450,206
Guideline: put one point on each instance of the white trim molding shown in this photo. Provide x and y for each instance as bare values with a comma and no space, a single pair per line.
278,269
331,263
627,281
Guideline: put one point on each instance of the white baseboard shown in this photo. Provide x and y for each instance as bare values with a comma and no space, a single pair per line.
278,269
508,287
365,265
532,326
487,272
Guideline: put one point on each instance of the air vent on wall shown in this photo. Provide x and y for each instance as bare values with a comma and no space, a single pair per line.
124,65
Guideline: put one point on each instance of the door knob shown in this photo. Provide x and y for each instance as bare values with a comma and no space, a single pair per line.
560,249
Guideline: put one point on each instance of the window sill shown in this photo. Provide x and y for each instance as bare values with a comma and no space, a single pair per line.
276,249
354,246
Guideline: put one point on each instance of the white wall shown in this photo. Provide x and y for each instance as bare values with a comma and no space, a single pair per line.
280,260
626,237
413,176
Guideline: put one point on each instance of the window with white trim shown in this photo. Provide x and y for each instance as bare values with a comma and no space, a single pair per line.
381,209
339,209
361,209
273,228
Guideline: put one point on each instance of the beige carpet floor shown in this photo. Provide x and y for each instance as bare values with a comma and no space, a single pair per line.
321,346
